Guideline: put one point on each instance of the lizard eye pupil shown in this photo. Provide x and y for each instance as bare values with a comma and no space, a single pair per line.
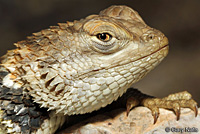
104,37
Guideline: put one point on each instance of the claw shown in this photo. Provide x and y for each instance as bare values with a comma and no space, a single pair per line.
195,109
131,102
127,110
128,107
155,116
177,114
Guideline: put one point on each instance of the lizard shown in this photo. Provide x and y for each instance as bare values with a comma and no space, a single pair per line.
79,67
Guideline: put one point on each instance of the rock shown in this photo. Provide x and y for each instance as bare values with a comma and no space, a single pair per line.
139,121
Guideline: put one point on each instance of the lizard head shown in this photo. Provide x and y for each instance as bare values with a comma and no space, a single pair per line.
118,36
81,66
119,49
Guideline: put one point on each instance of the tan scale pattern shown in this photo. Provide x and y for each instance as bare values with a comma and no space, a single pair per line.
66,68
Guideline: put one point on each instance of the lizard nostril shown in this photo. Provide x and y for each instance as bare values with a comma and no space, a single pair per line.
150,37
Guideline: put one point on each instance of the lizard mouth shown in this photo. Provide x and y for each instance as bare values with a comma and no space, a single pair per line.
164,45
160,49
164,48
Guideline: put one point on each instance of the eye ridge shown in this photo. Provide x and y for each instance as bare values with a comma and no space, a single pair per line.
104,37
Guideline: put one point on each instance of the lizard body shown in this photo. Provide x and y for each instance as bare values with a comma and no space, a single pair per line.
76,68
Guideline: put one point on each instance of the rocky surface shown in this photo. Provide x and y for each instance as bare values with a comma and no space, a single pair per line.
139,121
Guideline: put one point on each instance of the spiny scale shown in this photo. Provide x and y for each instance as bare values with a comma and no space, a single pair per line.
67,70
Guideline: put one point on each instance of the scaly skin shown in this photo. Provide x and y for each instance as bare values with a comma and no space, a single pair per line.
76,68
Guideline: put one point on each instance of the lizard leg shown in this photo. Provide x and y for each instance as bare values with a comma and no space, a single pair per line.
173,101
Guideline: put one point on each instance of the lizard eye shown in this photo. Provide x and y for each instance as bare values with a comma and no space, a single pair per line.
104,42
104,37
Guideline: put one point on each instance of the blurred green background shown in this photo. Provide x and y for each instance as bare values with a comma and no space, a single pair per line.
178,19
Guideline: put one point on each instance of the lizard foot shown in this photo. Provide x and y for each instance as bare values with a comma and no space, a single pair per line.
174,102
